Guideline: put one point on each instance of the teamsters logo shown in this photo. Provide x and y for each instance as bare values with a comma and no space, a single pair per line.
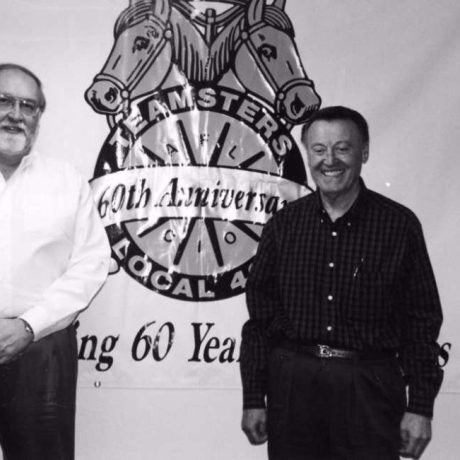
200,103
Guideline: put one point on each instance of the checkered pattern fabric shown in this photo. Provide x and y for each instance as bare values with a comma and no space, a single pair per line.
363,282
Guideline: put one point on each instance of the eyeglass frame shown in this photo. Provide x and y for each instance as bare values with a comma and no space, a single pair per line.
37,107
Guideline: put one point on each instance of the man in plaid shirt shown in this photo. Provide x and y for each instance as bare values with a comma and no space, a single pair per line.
344,315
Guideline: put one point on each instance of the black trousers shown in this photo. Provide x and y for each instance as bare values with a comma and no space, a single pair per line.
37,400
333,408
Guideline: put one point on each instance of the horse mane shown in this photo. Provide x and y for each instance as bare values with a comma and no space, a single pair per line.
190,50
224,45
132,15
278,19
199,61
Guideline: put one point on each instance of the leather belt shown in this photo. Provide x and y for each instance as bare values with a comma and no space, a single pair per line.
325,351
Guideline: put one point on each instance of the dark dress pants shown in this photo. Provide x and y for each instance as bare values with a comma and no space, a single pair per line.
37,400
334,408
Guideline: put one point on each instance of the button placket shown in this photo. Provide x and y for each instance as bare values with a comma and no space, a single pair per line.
332,285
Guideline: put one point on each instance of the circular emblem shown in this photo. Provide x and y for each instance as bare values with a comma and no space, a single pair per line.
185,184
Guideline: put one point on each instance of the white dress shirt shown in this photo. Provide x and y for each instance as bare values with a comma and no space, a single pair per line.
54,252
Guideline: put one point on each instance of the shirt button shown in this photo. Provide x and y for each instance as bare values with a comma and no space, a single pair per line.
329,329
330,298
331,265
334,233
348,224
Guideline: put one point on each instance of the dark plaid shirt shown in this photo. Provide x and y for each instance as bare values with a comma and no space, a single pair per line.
364,282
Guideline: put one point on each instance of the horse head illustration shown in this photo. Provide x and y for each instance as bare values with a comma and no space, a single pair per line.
139,60
266,43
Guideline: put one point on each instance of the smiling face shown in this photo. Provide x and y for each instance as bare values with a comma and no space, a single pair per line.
336,152
17,131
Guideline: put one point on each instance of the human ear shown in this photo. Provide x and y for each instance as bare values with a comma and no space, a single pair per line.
365,153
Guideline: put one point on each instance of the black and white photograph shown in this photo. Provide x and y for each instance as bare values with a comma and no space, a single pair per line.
228,229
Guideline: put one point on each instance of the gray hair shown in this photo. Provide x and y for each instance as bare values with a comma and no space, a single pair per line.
20,68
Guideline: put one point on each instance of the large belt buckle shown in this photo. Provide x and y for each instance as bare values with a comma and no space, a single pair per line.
324,351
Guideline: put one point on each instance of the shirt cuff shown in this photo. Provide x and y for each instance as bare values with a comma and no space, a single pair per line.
421,406
41,324
253,401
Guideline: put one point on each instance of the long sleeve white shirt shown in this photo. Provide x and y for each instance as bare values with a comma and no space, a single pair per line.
54,253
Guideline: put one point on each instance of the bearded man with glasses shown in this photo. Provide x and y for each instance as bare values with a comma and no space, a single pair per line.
54,257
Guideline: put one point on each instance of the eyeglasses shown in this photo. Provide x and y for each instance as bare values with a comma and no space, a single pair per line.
27,107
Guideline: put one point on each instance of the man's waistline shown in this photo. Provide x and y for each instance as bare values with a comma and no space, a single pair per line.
325,351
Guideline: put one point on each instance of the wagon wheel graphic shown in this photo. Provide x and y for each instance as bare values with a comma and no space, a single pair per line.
252,58
200,247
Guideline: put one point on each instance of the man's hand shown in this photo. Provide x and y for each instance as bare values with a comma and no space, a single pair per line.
415,435
254,425
14,339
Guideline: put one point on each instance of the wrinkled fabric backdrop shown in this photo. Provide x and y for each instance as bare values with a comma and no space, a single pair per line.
190,137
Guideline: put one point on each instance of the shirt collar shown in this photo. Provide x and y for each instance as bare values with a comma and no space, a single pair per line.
26,162
28,159
356,210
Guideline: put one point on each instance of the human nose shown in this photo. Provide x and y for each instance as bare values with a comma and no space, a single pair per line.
15,112
329,157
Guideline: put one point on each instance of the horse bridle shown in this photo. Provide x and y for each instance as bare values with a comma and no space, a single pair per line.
280,91
125,89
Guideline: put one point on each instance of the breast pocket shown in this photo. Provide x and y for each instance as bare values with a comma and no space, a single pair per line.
371,296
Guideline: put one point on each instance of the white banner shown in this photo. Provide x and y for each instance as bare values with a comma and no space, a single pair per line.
187,124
